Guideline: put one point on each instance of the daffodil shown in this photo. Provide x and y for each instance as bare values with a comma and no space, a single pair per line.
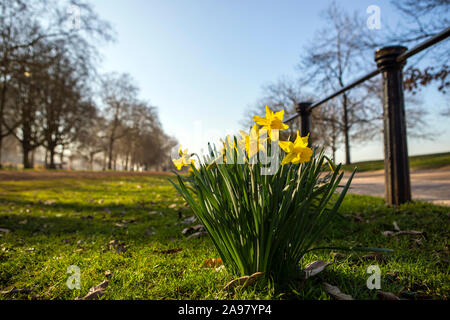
253,142
272,121
184,159
297,151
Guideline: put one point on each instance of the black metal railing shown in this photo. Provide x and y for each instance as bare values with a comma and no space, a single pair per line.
390,61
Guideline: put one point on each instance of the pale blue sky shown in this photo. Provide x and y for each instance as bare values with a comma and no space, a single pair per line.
203,62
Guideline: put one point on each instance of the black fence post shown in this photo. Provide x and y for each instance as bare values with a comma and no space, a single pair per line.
303,108
396,162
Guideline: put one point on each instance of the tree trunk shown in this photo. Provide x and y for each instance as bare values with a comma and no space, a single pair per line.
52,158
346,130
1,147
110,159
61,158
26,156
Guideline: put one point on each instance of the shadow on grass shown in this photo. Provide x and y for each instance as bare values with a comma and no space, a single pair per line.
130,221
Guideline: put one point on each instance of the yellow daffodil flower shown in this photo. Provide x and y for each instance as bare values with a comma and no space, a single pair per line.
184,159
252,142
272,121
297,151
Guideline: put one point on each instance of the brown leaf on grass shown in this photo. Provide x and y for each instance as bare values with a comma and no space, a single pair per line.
95,292
197,235
189,220
212,263
415,243
382,295
4,230
410,232
400,233
170,251
120,225
335,292
396,227
357,217
23,221
244,281
315,267
155,213
196,228
375,256
16,290
120,247
338,256
173,205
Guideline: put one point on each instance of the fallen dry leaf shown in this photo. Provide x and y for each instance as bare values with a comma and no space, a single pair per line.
95,292
193,229
335,292
410,232
197,235
170,251
212,263
415,243
382,295
189,220
315,267
245,281
338,256
400,233
4,230
156,212
16,290
120,247
357,217
375,256
396,227
173,205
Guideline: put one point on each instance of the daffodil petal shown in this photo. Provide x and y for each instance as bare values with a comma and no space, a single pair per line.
261,121
287,146
288,158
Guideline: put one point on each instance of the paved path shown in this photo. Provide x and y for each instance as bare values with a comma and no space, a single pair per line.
428,185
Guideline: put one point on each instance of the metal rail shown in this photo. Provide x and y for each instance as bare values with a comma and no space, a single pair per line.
407,54
390,61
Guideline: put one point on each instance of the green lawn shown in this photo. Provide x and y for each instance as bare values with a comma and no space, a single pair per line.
57,223
429,161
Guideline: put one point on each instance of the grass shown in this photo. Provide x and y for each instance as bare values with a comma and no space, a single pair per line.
429,161
61,222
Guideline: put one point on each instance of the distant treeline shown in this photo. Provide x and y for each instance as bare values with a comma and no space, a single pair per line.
55,108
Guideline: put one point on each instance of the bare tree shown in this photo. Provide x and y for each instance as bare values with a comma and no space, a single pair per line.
331,60
422,20
119,95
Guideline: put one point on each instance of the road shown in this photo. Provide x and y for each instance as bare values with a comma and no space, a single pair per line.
428,185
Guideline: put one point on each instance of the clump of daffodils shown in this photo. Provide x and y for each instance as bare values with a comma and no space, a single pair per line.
264,130
262,220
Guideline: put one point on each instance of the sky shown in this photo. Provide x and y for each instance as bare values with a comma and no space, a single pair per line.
204,62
